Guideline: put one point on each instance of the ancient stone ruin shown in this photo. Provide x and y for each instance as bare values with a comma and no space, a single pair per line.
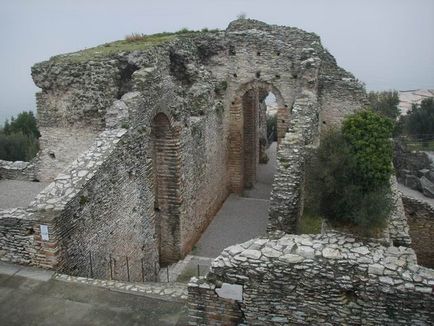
143,141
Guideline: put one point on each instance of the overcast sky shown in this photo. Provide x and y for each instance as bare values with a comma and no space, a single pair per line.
388,44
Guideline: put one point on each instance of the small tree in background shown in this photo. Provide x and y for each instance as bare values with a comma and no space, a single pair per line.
19,138
385,103
419,122
347,180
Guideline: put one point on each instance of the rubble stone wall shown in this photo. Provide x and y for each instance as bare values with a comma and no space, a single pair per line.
16,236
420,216
99,212
316,280
17,170
194,80
59,147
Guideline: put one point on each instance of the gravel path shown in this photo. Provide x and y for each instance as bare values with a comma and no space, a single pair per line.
241,218
14,193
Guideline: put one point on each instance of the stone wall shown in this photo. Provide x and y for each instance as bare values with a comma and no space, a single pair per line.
197,81
207,308
398,224
59,147
98,214
315,280
420,216
16,236
17,170
286,195
340,93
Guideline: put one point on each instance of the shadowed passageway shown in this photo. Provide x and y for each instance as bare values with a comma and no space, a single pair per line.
241,217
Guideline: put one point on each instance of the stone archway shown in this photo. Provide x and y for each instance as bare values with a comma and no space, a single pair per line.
245,120
167,202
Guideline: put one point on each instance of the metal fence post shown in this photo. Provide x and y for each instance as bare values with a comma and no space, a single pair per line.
111,268
90,262
128,269
143,271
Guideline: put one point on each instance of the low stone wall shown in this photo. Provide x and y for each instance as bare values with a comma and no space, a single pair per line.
16,236
420,216
324,279
207,308
17,170
98,225
398,226
288,184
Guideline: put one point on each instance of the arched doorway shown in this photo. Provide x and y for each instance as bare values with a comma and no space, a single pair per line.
248,135
166,188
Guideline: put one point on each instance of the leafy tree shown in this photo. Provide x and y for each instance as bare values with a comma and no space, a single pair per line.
19,138
419,122
18,147
347,180
24,123
385,103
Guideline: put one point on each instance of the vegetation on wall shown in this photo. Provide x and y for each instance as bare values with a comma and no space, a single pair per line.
347,177
19,138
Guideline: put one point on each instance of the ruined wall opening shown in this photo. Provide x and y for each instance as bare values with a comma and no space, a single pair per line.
258,107
267,126
166,189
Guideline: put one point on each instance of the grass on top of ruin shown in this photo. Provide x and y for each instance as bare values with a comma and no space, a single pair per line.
132,42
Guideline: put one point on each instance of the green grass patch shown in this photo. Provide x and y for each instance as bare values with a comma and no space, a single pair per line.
309,223
108,49
132,42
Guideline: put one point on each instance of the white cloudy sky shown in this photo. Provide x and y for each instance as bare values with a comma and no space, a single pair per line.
388,44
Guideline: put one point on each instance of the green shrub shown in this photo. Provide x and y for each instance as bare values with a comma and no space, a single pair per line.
368,135
347,178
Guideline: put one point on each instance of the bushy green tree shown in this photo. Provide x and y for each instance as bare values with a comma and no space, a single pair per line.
19,138
385,103
25,123
419,122
368,135
18,147
347,180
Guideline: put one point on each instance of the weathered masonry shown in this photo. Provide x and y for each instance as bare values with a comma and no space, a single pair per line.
142,142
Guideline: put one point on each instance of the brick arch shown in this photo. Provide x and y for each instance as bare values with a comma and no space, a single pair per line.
166,166
243,131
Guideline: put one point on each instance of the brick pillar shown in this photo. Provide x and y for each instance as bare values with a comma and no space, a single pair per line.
47,251
250,144
167,183
236,154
